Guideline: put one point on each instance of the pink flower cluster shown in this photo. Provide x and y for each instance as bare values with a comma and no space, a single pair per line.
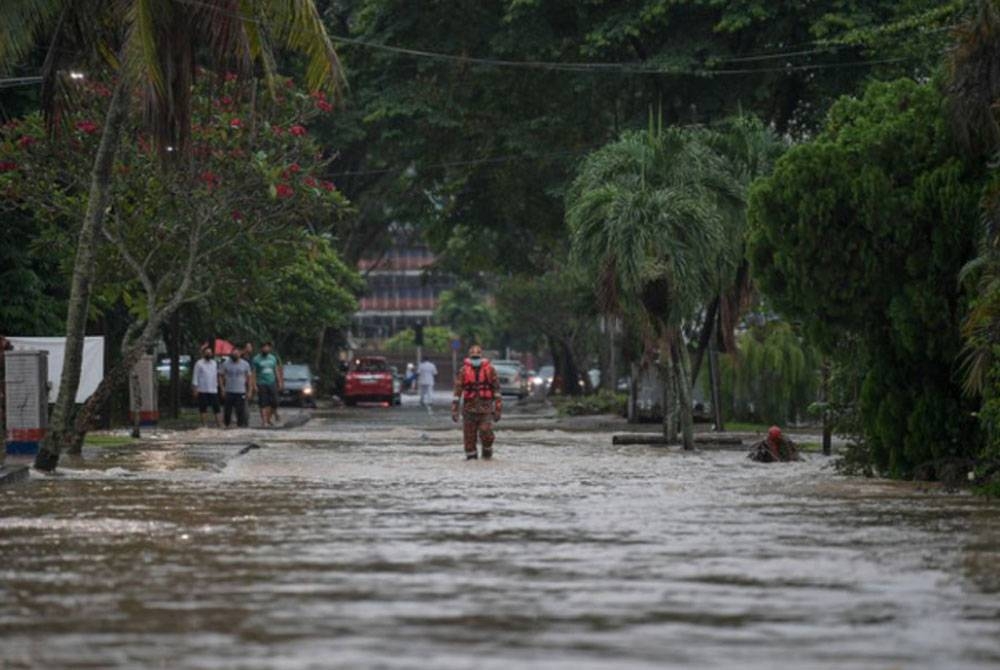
210,179
322,104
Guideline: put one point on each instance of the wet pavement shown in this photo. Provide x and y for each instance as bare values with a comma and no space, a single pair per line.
362,539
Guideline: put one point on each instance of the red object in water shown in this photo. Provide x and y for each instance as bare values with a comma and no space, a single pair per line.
774,442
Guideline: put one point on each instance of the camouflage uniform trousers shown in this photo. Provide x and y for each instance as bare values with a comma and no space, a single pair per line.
477,423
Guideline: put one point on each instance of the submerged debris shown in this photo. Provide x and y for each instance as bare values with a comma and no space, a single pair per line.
248,448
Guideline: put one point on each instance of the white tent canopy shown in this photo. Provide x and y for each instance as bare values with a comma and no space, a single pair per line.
92,371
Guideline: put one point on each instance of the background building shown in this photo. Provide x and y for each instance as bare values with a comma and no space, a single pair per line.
400,292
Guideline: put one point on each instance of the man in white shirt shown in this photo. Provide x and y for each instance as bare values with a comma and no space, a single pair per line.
426,372
205,386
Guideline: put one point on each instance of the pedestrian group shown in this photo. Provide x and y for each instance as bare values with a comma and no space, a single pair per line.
234,383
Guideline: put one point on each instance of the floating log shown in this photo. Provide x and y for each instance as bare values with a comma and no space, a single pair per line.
659,440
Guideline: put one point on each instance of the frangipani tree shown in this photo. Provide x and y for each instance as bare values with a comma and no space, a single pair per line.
252,195
155,46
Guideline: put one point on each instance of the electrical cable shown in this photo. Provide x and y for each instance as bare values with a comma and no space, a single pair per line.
611,68
464,163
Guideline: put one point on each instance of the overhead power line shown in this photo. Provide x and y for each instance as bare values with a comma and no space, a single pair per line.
490,160
11,82
610,68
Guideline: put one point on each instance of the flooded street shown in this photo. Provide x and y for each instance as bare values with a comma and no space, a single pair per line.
350,542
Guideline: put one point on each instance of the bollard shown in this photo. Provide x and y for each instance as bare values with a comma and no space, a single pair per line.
143,395
27,401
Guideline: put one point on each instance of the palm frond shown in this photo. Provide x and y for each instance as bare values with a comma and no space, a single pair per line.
298,26
974,77
23,23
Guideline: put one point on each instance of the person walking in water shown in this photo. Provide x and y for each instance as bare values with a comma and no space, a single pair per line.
238,384
426,373
478,389
270,379
205,385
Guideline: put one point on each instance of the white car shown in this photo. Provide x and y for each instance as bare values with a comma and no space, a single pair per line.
513,378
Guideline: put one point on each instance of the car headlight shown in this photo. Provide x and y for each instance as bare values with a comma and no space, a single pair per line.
307,390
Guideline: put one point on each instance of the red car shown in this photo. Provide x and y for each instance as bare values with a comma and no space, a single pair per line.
370,379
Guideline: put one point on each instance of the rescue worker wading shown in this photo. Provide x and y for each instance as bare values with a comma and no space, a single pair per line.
478,387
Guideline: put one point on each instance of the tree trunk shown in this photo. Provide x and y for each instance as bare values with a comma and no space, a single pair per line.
135,393
82,281
609,380
704,339
713,374
680,355
115,379
175,365
317,360
667,373
825,391
571,374
633,388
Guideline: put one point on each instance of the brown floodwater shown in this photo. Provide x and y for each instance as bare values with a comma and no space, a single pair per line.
378,546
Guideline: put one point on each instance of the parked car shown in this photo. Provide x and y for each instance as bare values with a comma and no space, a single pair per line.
163,368
543,378
513,378
299,389
370,379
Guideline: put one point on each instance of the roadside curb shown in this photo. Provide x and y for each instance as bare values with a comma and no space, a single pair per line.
13,474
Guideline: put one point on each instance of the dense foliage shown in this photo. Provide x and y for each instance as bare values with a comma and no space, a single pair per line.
464,310
772,377
252,198
863,231
437,339
481,153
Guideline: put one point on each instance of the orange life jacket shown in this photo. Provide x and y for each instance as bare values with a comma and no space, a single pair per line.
476,381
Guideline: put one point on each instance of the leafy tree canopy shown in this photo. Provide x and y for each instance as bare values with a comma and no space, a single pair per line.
863,232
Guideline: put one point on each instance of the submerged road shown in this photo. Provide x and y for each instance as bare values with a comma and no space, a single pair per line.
363,539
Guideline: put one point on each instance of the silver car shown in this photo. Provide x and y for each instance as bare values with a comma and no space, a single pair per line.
513,378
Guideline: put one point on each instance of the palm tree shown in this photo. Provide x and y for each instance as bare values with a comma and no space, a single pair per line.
973,87
155,47
646,215
749,150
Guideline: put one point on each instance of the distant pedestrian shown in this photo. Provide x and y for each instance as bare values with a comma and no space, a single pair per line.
205,385
270,381
426,373
478,387
238,385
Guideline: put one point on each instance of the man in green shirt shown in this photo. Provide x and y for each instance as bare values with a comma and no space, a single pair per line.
270,381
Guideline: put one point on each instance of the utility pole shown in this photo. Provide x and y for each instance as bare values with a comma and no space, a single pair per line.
825,391
418,339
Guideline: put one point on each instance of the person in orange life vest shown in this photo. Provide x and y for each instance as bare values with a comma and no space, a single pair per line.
478,388
775,449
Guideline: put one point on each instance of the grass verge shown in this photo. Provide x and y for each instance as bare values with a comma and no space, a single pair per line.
103,440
